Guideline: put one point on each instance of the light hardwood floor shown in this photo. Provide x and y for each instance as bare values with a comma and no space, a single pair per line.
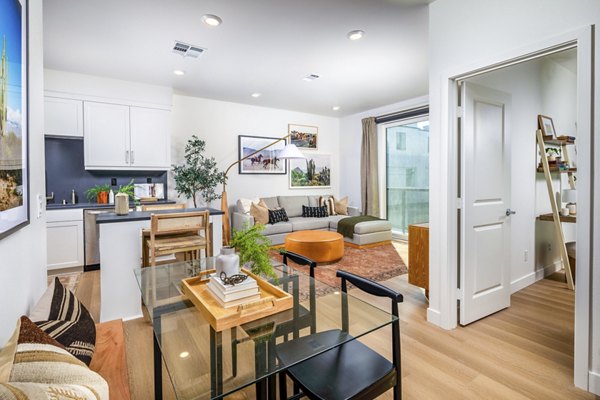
523,352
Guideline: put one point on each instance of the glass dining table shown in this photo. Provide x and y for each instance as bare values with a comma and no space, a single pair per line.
205,364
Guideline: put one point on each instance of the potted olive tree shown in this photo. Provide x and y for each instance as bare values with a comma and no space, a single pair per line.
198,175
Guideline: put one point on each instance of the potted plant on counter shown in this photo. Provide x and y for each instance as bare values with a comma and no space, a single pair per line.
198,174
254,250
98,193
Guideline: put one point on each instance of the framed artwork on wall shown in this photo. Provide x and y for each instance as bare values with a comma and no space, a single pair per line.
547,126
304,137
314,172
14,160
265,162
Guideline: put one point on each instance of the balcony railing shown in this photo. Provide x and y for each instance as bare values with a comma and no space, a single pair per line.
407,206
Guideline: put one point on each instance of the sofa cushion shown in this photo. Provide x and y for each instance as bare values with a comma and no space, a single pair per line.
293,204
259,212
313,201
329,202
304,224
243,205
372,226
341,206
65,319
333,220
280,227
271,202
314,212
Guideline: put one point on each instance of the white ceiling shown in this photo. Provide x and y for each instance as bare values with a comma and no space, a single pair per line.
264,46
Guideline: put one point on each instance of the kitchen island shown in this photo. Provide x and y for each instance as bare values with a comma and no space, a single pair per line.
120,238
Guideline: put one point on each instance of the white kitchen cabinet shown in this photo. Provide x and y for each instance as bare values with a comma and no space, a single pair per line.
63,117
126,137
64,230
106,135
150,138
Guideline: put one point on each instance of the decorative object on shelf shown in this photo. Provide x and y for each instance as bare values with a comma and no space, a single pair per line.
228,262
569,196
121,204
289,152
304,137
98,193
313,172
547,126
263,162
553,154
111,197
198,174
254,250
14,157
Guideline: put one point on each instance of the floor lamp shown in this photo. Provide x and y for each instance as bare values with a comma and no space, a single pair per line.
289,152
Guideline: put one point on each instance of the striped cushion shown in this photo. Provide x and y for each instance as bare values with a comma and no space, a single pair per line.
328,202
278,215
314,212
64,318
43,370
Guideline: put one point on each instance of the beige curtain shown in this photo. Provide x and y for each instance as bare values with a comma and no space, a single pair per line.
369,177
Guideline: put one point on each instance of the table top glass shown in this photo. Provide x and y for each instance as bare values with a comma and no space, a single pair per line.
204,364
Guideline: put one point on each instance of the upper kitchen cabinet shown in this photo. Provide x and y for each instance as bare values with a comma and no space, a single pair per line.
106,139
63,117
150,139
126,137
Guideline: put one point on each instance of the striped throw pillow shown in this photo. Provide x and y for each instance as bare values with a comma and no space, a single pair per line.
314,212
328,202
62,316
278,215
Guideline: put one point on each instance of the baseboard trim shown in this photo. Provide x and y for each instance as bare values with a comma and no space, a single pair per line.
594,383
534,276
434,317
367,246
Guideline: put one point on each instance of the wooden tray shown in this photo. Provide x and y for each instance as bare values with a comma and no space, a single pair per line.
272,300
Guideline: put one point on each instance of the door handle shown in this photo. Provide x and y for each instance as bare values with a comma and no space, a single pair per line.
132,157
510,212
126,156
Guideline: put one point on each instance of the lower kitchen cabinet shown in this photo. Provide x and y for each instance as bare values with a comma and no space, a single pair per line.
64,239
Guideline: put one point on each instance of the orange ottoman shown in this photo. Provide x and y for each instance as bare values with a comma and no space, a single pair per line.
319,246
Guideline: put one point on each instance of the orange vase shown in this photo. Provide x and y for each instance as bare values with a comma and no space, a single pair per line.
102,198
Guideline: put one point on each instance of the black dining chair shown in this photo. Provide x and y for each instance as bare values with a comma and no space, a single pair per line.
351,370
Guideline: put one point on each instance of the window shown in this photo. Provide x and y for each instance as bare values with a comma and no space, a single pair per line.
400,141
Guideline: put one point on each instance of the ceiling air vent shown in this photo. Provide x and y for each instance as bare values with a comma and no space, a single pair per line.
187,50
311,77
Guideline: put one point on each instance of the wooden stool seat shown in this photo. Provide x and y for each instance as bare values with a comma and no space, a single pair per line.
319,246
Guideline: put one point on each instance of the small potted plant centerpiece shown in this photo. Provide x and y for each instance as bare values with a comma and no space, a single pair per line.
253,250
122,198
98,193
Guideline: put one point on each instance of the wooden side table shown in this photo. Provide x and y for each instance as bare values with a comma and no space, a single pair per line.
418,256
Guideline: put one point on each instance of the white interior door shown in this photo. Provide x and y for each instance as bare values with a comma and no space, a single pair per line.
485,218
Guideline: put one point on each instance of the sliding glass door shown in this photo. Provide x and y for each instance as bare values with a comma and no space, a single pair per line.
407,173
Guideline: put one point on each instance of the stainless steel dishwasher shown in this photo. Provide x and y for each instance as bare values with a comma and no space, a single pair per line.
90,236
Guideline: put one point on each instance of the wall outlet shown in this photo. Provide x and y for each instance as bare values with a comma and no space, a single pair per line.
113,181
525,255
148,180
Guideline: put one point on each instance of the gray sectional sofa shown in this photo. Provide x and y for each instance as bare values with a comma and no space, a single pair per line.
364,232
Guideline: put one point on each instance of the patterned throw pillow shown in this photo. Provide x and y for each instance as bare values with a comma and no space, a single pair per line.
278,215
43,369
62,316
314,212
328,202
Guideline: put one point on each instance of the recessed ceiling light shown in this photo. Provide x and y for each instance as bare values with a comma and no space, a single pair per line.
178,72
355,35
184,354
211,20
255,95
335,108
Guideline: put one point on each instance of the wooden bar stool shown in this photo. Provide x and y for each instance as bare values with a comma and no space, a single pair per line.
146,232
178,233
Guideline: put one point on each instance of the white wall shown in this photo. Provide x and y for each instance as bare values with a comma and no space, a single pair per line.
219,123
350,144
490,32
23,254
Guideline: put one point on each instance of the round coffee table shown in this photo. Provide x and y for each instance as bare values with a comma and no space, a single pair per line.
319,246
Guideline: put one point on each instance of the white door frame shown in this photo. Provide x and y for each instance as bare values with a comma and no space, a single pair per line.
447,225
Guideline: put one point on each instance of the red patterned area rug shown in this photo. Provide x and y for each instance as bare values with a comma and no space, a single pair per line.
376,263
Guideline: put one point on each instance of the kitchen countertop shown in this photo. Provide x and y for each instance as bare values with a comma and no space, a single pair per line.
54,206
112,217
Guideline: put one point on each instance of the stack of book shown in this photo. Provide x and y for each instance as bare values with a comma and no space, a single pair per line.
233,295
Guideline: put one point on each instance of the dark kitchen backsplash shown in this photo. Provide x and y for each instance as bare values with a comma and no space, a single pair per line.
65,171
